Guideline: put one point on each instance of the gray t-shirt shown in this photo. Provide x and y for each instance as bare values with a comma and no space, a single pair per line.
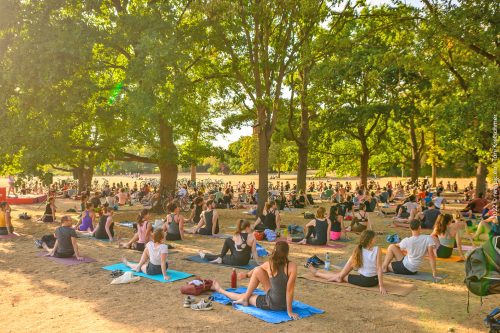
64,244
430,216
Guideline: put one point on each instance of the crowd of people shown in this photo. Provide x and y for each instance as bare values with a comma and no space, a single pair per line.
419,210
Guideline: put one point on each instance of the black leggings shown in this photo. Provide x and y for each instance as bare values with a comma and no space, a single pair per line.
237,258
208,232
311,237
363,281
173,237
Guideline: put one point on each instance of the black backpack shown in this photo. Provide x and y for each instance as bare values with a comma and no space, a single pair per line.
482,269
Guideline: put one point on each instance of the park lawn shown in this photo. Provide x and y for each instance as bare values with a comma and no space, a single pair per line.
39,295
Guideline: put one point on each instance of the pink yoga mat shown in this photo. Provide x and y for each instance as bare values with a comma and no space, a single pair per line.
67,261
9,236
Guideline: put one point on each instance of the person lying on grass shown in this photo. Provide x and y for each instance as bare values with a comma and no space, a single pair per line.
62,244
242,246
416,247
6,227
276,276
366,258
154,258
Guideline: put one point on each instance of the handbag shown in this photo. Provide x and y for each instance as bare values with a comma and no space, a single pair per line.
196,288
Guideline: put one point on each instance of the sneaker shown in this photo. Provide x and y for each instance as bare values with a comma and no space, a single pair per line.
202,305
38,243
188,300
318,260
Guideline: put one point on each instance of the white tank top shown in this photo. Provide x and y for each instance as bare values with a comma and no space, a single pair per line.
369,267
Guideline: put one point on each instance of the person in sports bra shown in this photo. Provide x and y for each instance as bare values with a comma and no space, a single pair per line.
445,234
174,224
86,223
242,246
209,223
318,229
270,218
366,258
104,229
143,234
277,277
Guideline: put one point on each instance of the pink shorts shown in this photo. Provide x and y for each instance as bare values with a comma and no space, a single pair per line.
335,235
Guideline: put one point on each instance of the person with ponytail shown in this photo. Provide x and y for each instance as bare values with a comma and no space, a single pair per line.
366,258
143,233
318,229
277,278
154,258
445,234
174,225
242,246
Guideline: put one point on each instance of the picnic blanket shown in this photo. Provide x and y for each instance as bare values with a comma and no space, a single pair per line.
66,261
174,275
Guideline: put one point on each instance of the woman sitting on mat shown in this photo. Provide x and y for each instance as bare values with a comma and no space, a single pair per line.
318,229
209,223
6,227
174,223
270,218
445,234
154,258
277,277
49,215
242,246
337,224
197,210
62,244
88,217
366,258
104,229
360,221
143,234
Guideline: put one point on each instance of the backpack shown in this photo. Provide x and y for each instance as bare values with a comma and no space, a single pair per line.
482,269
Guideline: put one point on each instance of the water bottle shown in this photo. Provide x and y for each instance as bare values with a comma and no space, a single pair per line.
327,261
234,278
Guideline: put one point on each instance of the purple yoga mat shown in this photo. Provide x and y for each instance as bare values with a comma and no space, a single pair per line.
66,261
9,236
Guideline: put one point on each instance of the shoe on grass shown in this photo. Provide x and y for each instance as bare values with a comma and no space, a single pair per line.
202,305
188,301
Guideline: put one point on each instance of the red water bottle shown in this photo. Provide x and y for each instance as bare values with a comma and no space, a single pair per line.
234,279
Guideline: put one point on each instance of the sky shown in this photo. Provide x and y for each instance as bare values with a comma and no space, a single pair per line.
235,134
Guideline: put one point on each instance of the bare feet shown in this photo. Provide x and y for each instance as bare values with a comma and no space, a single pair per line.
335,278
125,261
201,253
241,301
302,242
215,286
313,270
217,261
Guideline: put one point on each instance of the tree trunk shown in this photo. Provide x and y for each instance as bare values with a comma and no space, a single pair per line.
193,172
167,162
88,174
264,143
481,173
302,167
365,157
415,152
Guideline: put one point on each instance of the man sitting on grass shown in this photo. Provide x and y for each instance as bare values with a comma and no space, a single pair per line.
416,247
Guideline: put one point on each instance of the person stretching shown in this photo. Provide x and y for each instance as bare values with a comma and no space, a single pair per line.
209,223
154,258
5,220
242,246
88,216
366,258
270,218
416,246
277,277
446,233
318,229
141,237
64,240
174,226
104,229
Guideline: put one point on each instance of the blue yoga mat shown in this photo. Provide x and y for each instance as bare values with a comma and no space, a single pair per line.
174,275
251,264
261,251
269,316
